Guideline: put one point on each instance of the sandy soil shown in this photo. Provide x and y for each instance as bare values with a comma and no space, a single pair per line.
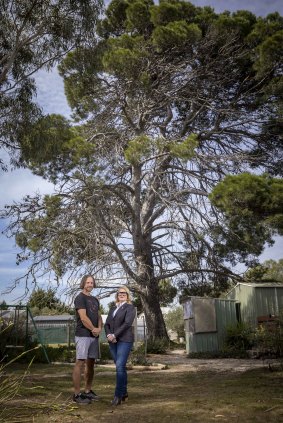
180,362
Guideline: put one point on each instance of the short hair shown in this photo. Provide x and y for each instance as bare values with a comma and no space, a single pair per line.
129,301
83,281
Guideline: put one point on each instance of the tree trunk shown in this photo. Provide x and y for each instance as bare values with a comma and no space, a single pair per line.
153,315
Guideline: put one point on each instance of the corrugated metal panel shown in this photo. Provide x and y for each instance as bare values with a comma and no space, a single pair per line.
258,300
225,311
226,316
244,294
279,296
201,342
267,300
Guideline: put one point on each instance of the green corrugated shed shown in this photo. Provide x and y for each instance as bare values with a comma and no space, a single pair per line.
258,299
206,320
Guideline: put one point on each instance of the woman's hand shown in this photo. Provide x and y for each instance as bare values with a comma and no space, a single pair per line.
111,338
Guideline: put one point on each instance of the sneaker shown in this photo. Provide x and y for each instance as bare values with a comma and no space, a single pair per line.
91,396
81,399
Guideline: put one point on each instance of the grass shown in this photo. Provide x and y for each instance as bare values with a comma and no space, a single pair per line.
154,396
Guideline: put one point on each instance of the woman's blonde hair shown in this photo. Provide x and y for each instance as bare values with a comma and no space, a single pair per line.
125,288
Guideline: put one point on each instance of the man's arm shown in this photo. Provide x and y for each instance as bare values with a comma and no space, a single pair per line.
87,322
96,331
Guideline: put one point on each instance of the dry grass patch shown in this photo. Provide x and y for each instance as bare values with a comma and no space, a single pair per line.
154,396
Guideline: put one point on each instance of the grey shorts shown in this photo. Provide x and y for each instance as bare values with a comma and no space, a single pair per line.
86,347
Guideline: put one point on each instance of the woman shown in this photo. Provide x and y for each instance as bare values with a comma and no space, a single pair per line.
120,335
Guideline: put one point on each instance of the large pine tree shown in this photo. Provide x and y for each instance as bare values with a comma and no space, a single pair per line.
170,99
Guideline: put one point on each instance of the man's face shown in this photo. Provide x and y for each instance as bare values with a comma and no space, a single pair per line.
89,284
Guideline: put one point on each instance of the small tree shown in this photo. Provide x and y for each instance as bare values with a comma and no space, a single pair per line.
3,305
174,320
46,302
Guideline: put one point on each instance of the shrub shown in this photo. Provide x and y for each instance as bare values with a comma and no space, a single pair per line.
270,340
138,356
157,346
174,321
105,354
238,338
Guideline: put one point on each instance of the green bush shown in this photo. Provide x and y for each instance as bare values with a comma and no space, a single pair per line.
269,341
174,321
11,335
105,352
238,338
138,356
60,353
157,346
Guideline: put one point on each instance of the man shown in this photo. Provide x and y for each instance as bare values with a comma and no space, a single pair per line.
89,325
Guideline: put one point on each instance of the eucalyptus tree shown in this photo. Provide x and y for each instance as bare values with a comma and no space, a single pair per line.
268,271
170,99
33,35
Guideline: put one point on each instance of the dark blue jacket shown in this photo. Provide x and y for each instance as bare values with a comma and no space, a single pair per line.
121,325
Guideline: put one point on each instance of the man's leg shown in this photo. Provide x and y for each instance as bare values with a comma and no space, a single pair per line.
89,372
93,353
79,365
82,346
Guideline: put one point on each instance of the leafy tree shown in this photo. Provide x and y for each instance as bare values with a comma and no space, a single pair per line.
34,35
166,294
102,309
174,320
269,270
274,270
46,301
199,286
3,305
170,99
111,304
253,212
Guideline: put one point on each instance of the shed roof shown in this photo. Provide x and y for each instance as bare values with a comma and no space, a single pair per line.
64,317
262,284
257,285
189,297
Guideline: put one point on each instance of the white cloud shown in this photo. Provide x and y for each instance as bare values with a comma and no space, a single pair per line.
50,92
16,184
258,7
275,252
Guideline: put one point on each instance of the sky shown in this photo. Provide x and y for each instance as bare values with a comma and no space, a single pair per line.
50,96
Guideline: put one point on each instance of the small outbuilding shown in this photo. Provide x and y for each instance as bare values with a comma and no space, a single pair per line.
258,301
205,322
55,329
206,319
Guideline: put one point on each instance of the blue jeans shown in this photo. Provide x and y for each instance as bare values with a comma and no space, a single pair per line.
120,352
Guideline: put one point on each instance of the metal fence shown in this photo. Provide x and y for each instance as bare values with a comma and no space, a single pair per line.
50,334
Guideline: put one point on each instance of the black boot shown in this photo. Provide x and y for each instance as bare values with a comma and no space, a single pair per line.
125,397
116,401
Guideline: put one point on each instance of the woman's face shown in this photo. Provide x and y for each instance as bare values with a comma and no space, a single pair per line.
122,295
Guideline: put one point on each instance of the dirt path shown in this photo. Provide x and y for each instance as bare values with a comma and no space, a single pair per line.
179,360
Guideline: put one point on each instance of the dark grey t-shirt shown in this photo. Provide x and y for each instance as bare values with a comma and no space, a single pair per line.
91,305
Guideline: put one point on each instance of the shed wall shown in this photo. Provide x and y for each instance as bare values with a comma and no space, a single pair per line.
257,301
225,311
